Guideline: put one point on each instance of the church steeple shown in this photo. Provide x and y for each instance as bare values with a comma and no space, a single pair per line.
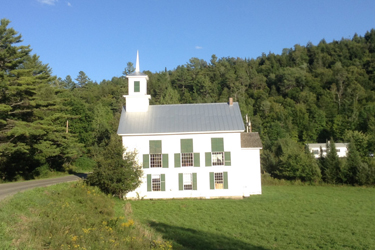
137,99
137,63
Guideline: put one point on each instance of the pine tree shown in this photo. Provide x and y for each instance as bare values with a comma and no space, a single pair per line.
32,130
332,163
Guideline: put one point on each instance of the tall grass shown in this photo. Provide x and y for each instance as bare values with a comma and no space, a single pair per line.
72,216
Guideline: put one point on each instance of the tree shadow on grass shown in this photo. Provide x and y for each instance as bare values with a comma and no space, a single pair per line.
185,238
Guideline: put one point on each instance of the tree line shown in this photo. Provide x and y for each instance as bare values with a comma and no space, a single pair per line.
306,94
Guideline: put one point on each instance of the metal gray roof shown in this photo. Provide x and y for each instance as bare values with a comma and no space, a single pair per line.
182,118
250,140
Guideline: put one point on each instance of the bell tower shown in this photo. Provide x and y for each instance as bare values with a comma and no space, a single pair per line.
137,99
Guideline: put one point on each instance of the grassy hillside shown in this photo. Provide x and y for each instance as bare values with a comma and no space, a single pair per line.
71,216
284,217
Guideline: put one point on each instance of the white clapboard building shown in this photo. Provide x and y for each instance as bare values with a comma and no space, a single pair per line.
320,149
189,150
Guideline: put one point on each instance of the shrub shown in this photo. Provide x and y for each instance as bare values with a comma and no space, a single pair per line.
116,173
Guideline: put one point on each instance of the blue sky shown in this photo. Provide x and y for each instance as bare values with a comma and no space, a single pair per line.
100,37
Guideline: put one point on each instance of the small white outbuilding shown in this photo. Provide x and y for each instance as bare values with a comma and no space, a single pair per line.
189,150
318,149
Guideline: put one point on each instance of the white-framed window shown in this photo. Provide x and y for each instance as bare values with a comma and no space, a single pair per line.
217,156
218,159
187,159
156,160
219,181
156,182
188,181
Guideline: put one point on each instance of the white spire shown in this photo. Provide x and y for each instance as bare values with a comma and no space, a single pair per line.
137,63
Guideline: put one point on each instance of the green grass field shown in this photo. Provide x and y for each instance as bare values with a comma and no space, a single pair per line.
284,217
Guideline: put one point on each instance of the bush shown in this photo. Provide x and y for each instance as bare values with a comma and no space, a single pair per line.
288,160
117,173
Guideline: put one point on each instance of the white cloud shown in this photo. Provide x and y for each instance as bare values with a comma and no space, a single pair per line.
49,2
198,47
69,4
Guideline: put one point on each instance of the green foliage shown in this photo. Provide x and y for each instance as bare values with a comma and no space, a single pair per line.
332,168
117,173
291,162
71,216
84,164
32,129
283,217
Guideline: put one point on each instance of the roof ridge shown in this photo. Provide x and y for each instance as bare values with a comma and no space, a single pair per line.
180,104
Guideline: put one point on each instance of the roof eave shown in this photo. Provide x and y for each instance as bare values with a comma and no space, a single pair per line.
179,133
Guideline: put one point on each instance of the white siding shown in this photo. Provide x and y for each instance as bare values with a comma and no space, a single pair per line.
243,174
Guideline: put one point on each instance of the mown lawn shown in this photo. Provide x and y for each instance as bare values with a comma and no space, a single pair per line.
284,217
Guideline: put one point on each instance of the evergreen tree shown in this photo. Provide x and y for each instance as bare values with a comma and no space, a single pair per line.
129,69
82,79
333,170
32,130
353,163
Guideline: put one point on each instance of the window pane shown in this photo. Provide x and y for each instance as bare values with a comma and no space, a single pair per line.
156,183
136,86
187,160
155,160
219,181
188,184
217,158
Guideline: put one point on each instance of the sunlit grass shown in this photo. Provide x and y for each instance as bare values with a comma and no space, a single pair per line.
283,217
72,216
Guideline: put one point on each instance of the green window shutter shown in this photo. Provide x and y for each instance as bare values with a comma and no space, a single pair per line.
155,147
225,176
146,161
196,160
186,145
177,162
148,182
195,181
217,145
227,158
212,180
180,181
162,179
136,86
208,159
165,160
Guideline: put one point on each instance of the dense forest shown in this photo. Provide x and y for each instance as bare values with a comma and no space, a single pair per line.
306,94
